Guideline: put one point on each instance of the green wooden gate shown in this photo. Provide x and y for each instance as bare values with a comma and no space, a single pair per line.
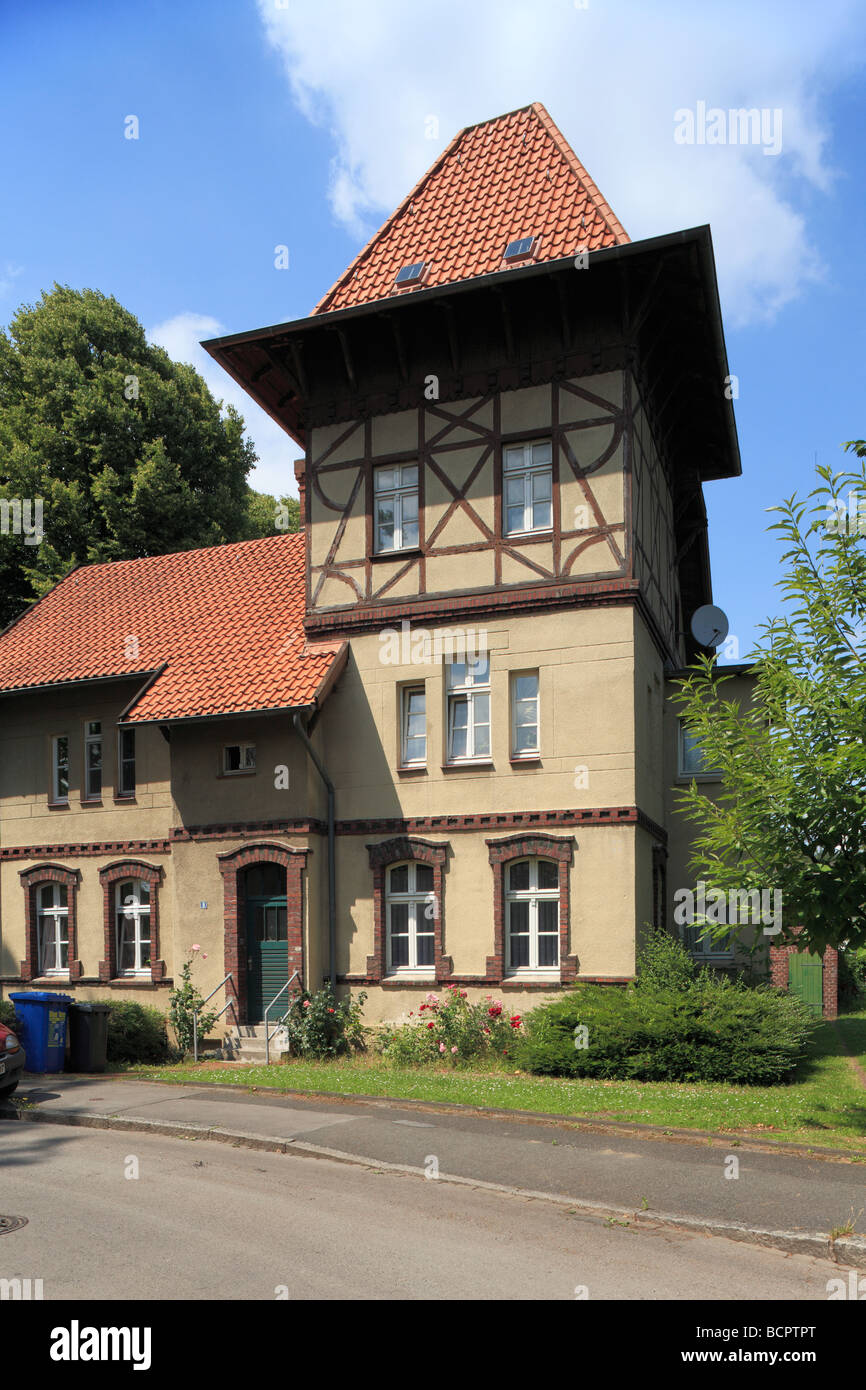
267,952
806,979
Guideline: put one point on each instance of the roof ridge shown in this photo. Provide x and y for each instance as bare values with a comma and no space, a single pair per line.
171,555
580,171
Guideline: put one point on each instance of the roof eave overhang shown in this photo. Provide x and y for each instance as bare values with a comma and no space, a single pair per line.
9,691
298,331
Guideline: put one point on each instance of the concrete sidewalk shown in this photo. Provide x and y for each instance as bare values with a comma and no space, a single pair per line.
777,1199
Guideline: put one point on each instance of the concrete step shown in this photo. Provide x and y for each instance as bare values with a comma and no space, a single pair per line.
247,1043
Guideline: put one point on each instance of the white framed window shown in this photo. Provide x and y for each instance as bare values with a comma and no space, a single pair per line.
92,760
52,913
239,757
527,485
532,915
60,768
525,728
410,908
468,688
413,748
691,760
126,762
395,507
132,915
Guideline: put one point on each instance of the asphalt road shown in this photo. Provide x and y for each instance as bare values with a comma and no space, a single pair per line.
208,1221
772,1190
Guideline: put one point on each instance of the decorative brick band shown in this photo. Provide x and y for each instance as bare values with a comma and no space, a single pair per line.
225,831
575,594
108,877
86,849
231,866
503,852
505,820
412,825
395,851
31,882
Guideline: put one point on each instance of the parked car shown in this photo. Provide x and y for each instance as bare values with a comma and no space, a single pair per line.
12,1059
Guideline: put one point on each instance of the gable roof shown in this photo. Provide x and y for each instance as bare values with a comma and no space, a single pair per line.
510,177
217,632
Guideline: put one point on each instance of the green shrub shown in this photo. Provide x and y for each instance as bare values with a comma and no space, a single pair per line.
852,975
8,1016
183,1002
320,1026
664,963
136,1033
451,1029
715,1030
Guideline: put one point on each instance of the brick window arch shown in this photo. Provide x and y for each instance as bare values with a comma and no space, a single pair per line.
31,881
402,849
231,866
109,877
560,849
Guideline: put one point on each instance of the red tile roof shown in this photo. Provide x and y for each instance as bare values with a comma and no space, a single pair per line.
506,178
226,623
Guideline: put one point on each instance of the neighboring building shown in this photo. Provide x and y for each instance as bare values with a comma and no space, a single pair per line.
507,411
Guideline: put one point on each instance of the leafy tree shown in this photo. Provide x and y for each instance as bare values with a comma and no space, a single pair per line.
792,811
267,514
128,450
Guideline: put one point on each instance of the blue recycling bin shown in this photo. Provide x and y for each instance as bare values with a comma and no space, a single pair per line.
43,1028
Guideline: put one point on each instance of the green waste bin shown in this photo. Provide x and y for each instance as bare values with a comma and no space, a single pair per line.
88,1037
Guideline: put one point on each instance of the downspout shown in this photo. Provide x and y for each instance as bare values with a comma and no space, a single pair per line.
332,877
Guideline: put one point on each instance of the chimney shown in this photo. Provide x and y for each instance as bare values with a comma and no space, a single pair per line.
301,479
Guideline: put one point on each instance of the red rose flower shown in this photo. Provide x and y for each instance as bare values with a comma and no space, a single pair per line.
431,1025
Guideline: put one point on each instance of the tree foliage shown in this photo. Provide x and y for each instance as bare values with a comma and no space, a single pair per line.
128,450
792,811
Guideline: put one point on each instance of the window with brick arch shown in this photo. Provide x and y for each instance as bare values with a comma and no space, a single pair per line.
410,908
532,915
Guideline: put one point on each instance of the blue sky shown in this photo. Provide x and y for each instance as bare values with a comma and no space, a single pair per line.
303,123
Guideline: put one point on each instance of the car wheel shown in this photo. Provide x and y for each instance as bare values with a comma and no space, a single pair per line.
7,1090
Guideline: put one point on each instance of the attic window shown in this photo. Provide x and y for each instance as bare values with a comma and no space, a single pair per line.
411,274
519,250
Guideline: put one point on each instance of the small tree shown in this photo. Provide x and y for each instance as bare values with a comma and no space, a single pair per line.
183,1003
792,810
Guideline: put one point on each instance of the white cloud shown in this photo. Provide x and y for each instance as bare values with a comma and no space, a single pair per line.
8,276
181,337
611,75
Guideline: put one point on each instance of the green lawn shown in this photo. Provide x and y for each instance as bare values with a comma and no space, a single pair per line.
824,1106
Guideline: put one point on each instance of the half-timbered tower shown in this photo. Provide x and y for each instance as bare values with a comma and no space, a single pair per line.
507,411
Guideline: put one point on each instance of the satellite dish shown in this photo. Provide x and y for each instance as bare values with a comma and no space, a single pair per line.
709,625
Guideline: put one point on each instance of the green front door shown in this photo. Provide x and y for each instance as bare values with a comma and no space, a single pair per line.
806,979
267,955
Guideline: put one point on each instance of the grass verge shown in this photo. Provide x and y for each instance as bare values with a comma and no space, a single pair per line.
823,1106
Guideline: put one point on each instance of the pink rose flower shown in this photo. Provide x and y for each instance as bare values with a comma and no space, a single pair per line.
196,947
453,1050
441,1047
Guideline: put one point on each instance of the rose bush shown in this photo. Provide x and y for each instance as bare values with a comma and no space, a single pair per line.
451,1029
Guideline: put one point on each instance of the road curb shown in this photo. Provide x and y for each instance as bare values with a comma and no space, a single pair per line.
735,1138
844,1250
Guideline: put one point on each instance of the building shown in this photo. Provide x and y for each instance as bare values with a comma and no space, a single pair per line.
506,410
